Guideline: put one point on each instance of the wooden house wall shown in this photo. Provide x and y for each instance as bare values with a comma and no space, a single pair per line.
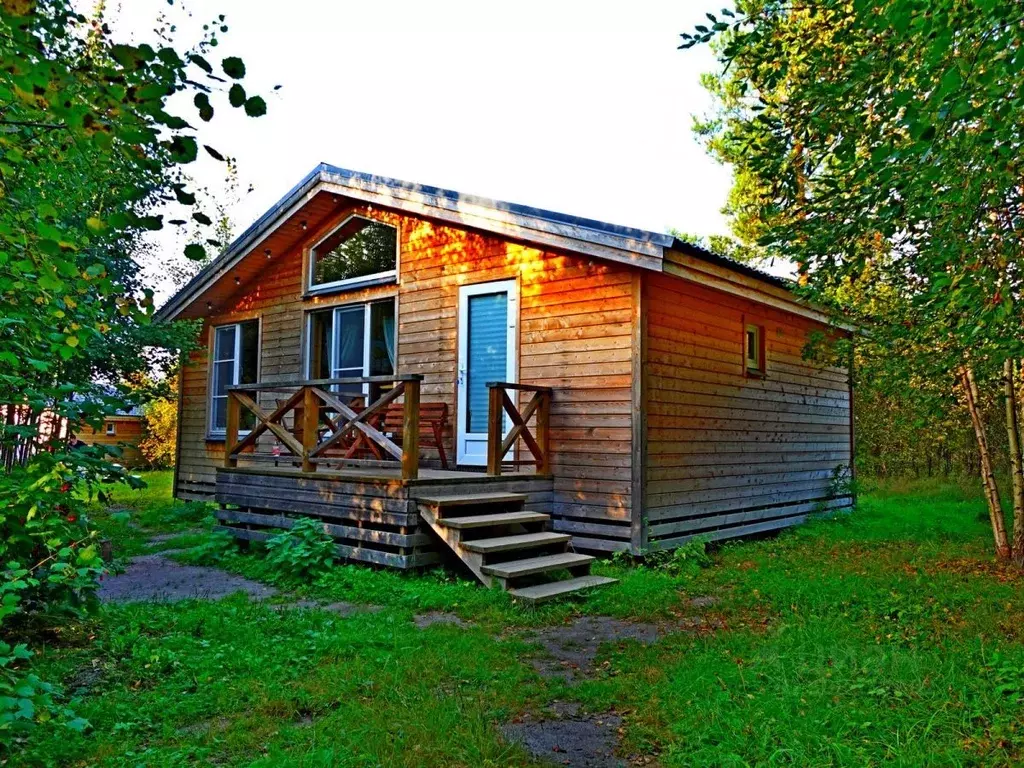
575,334
726,453
129,433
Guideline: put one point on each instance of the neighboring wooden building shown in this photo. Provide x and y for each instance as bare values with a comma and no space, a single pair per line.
664,387
123,430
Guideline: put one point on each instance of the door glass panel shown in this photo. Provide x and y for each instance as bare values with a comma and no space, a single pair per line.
348,327
320,344
248,367
487,353
382,338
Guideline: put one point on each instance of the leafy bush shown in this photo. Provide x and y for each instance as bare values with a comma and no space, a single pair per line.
25,699
50,566
684,558
161,430
304,552
213,550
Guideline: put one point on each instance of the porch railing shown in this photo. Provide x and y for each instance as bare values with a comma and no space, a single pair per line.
536,440
314,405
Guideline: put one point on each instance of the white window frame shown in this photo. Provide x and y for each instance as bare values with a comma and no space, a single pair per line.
111,429
366,305
756,364
214,430
388,276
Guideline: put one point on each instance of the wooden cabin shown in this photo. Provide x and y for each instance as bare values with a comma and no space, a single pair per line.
124,430
393,358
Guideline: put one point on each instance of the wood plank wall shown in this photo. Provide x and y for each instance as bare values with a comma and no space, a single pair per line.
128,435
574,335
575,326
729,454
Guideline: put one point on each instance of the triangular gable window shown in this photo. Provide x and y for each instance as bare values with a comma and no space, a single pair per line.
358,252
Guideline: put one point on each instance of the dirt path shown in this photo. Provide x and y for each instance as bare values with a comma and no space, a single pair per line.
156,578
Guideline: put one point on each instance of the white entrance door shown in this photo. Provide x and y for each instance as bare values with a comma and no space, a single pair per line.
487,352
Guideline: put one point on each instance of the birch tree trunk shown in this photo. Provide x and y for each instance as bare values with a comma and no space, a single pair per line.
1016,468
995,507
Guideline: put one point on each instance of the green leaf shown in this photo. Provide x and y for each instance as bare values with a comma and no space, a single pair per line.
202,102
951,81
185,198
234,67
236,96
213,152
183,149
255,106
195,251
202,218
202,63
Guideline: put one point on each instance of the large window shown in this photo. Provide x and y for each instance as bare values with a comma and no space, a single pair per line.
235,361
359,251
351,341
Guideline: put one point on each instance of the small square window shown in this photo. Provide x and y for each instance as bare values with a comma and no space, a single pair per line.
753,350
111,429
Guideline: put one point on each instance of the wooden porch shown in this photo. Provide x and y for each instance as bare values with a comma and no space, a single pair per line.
335,450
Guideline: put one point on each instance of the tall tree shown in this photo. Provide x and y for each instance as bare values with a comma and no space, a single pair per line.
94,138
878,144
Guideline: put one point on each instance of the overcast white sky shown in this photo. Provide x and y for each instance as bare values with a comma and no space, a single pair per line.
579,107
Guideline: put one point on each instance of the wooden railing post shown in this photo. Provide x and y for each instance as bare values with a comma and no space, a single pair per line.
411,431
234,416
495,414
543,422
310,427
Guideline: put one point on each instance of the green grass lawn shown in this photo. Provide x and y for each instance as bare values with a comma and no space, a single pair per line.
884,636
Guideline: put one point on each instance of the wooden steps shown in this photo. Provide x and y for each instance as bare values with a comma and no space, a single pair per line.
521,541
500,542
489,521
540,593
532,565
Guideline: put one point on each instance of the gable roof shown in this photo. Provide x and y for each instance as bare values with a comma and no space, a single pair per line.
638,247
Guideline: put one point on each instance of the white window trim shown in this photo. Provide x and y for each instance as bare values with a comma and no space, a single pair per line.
378,278
111,429
755,365
366,336
219,433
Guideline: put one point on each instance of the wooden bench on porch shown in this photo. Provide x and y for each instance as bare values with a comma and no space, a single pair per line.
433,426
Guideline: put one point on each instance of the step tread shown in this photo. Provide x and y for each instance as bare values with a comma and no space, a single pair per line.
501,518
468,499
541,592
519,541
530,565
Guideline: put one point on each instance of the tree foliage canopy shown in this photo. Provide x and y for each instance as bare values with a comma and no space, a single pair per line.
878,144
95,136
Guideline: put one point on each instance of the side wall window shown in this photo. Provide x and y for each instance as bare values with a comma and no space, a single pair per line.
235,361
753,349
